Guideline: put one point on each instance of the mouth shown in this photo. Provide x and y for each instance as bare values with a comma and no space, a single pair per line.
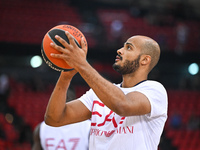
118,58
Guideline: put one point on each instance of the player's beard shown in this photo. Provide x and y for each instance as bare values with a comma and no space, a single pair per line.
128,67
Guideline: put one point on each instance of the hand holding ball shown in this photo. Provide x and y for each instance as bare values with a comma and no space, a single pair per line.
46,49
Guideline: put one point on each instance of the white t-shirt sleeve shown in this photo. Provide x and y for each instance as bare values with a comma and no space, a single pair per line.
87,99
157,96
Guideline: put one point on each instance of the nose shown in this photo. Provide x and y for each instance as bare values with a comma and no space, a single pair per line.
119,51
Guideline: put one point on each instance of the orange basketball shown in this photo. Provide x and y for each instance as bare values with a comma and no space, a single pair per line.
46,49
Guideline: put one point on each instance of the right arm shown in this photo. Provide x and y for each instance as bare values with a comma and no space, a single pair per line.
59,112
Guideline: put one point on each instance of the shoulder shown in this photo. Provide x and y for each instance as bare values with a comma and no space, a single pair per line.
152,82
152,85
152,89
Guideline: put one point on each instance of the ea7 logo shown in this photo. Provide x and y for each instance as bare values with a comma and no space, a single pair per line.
108,118
72,143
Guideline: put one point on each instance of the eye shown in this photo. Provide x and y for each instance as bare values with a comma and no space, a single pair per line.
128,47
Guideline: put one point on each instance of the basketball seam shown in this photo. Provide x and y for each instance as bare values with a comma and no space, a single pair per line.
64,31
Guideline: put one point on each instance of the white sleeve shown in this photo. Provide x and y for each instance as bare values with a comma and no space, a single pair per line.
87,99
157,96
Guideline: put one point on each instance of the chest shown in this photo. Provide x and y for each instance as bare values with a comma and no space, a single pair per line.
103,117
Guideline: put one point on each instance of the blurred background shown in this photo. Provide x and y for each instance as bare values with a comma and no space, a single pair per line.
26,82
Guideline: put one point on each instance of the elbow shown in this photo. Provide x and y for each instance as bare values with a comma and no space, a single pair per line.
121,110
49,121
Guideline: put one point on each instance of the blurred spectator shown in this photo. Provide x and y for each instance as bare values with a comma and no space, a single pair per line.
4,87
25,134
136,9
182,33
176,120
2,133
193,122
162,41
74,136
116,31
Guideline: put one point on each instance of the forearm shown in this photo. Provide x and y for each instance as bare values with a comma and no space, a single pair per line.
108,93
56,106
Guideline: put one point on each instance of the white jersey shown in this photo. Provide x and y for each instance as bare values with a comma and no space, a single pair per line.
69,137
110,131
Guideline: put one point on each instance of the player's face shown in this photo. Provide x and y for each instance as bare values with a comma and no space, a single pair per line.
127,60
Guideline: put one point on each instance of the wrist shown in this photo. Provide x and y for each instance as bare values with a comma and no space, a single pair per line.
67,76
83,67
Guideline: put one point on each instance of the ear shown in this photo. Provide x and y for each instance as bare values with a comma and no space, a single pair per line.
145,59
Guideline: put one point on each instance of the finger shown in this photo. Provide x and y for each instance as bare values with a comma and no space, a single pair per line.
60,56
62,41
58,48
71,38
84,45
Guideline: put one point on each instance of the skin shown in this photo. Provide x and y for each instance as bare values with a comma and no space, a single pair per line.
135,103
36,139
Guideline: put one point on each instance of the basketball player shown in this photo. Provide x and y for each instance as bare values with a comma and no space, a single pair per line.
129,115
68,137
73,137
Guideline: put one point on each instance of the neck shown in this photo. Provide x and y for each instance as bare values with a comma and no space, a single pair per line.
131,80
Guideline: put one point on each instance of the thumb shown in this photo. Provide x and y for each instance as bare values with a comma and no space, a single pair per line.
84,45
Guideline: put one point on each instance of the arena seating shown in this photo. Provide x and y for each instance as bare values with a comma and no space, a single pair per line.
186,103
28,21
30,105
